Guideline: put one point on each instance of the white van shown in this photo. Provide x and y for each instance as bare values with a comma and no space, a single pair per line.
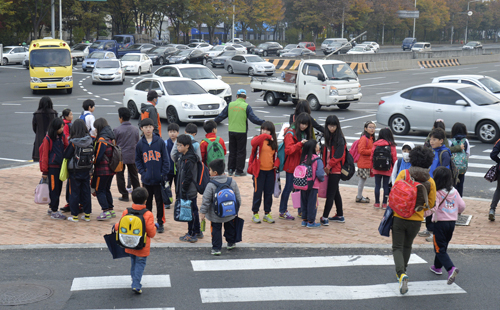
421,47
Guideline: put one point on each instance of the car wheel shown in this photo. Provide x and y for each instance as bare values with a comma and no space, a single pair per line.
5,62
399,125
314,103
214,66
343,106
172,115
271,99
132,107
161,61
69,91
487,132
265,53
34,91
230,70
75,62
150,69
204,62
84,70
93,83
139,71
250,71
295,102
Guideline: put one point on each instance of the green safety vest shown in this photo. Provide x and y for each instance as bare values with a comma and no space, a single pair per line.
237,115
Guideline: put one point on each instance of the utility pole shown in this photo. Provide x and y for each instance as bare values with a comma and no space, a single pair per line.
343,9
467,22
233,22
53,19
60,19
414,20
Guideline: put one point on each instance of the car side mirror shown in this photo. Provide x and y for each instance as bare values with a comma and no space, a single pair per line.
321,77
461,102
219,77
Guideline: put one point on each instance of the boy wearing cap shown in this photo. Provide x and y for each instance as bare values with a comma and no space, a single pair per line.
148,110
238,113
152,162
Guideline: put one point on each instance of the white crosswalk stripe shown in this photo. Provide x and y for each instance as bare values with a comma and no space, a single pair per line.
168,308
116,282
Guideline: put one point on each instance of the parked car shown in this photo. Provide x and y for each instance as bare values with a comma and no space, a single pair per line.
329,41
137,63
375,45
408,43
236,40
221,59
217,50
196,41
108,71
238,47
472,45
361,49
26,61
160,53
142,47
486,83
268,48
181,100
341,47
80,51
179,46
89,62
287,48
14,54
298,52
249,64
309,45
187,56
201,46
250,47
421,47
417,107
201,75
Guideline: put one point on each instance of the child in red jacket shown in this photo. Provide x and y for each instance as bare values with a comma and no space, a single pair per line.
210,128
383,164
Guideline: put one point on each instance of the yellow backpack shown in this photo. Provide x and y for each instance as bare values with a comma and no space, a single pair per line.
131,232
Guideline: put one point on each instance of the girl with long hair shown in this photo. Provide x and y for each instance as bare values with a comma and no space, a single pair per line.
365,146
382,176
40,123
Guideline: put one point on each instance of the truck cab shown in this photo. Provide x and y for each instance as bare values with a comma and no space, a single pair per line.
124,40
104,45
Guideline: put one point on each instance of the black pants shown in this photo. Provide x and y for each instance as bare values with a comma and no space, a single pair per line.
443,231
308,204
134,179
237,151
333,194
384,181
103,192
229,233
55,188
460,186
155,190
79,194
264,183
194,225
429,225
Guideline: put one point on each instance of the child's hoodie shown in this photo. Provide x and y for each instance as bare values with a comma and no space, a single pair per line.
448,207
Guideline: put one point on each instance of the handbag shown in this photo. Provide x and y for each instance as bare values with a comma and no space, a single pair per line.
492,173
116,250
42,192
323,188
296,199
64,174
277,186
386,223
238,226
182,211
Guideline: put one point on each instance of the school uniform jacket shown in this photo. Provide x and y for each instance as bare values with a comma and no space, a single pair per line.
257,144
51,153
334,163
150,231
152,160
394,156
365,146
293,150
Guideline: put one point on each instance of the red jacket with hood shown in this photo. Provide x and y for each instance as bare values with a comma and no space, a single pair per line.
257,142
293,150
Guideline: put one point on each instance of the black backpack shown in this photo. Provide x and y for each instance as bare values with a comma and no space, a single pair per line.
348,168
83,158
382,158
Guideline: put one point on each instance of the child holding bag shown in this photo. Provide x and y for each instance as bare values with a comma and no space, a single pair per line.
308,198
262,165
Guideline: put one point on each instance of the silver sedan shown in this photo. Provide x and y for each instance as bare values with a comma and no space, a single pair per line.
416,108
249,64
108,71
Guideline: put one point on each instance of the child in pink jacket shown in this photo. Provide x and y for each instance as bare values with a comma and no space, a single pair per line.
309,198
445,213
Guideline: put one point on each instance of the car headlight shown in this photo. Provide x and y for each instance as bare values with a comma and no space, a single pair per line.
260,67
188,106
67,79
119,72
222,103
333,91
229,92
35,80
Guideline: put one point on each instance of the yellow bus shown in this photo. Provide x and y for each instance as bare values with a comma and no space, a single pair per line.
50,65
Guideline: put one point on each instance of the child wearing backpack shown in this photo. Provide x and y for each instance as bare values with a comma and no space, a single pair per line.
449,204
80,156
191,130
461,159
51,157
309,197
365,146
139,257
186,162
67,117
151,159
402,163
262,165
173,132
383,158
294,140
103,176
88,116
212,147
333,156
207,208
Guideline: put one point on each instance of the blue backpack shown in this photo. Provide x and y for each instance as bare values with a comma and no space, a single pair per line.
281,152
225,203
82,116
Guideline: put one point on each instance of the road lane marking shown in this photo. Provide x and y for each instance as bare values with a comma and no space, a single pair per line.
326,292
60,105
426,72
298,262
379,84
488,71
261,111
23,112
373,78
354,118
11,104
387,92
16,160
112,282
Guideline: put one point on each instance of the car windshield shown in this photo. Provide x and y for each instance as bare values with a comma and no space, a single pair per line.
177,88
107,64
418,45
328,41
263,45
96,55
491,84
198,73
302,44
182,53
193,45
470,44
339,72
50,58
296,51
79,47
7,49
131,58
134,47
290,46
254,59
478,96
97,44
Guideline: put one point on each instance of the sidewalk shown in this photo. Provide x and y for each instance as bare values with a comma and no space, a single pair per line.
25,222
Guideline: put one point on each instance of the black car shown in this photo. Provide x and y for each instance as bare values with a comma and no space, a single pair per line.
472,45
268,48
221,59
160,53
190,56
250,47
335,45
297,52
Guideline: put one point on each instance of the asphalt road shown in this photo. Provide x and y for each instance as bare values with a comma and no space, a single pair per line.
17,105
268,278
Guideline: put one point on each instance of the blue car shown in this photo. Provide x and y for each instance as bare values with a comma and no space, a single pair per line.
408,43
89,62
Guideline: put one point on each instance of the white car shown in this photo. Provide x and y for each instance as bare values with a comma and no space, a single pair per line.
180,99
238,47
374,44
421,47
80,51
236,40
108,71
361,49
217,50
201,46
486,83
201,75
137,63
14,54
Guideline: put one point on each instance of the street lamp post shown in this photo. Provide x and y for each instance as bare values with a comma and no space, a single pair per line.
60,19
414,20
467,22
233,23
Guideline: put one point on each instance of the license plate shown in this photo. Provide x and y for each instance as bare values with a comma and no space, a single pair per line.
211,113
350,97
51,85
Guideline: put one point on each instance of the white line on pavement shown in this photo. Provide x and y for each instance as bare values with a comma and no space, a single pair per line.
30,98
373,78
261,111
380,84
11,104
105,105
16,160
23,112
354,118
387,92
60,105
426,72
112,282
488,71
466,68
117,102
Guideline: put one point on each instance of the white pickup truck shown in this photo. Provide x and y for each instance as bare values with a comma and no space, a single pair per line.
321,82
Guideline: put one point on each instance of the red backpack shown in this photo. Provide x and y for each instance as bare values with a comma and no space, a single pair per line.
403,196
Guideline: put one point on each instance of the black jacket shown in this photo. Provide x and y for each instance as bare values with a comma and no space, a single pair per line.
186,175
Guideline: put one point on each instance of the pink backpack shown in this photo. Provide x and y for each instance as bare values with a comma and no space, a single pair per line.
42,192
303,178
354,150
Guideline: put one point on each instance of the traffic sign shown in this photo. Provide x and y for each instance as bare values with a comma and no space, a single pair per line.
469,13
408,14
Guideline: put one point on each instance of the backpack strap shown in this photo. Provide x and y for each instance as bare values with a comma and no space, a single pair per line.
207,140
228,182
50,142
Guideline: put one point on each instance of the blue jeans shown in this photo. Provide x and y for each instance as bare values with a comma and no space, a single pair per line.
137,269
308,204
286,193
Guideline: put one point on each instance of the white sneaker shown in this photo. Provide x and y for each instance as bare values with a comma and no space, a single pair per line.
85,219
71,219
256,219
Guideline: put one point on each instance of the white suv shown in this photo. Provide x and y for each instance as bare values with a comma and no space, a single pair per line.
484,82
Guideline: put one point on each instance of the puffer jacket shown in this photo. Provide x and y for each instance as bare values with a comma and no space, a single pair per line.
365,146
102,147
207,205
333,158
293,150
394,156
187,173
